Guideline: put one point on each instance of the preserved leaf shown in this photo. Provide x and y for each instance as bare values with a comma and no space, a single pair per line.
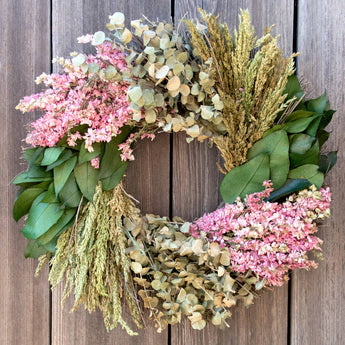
41,217
245,179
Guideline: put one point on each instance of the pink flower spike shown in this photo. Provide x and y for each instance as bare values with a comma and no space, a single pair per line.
267,238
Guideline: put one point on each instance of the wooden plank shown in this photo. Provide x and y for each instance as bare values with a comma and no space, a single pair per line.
318,301
195,189
24,53
147,176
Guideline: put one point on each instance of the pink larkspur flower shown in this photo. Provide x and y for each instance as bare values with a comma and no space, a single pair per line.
74,98
268,238
95,162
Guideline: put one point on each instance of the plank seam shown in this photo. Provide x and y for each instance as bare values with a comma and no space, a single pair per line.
294,49
295,32
172,15
51,71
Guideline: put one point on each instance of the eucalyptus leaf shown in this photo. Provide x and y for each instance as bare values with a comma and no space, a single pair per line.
51,154
87,178
93,67
98,38
78,60
62,172
277,146
41,217
246,179
135,93
110,72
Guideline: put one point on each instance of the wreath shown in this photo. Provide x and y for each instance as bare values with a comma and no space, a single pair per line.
235,91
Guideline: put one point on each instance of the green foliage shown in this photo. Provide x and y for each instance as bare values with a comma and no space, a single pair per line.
111,160
51,154
33,250
327,162
55,182
41,217
293,88
246,179
87,179
70,195
50,196
277,146
49,238
308,172
294,147
114,179
67,154
24,201
62,172
290,186
86,156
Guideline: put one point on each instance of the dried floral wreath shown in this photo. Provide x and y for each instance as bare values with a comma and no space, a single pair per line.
237,92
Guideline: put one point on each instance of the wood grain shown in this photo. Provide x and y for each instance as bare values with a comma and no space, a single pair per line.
196,182
24,53
318,297
147,177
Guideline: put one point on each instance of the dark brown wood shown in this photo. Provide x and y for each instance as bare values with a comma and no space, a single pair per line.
147,177
24,53
196,182
318,300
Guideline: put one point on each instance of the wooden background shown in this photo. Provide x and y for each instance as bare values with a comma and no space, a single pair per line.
169,176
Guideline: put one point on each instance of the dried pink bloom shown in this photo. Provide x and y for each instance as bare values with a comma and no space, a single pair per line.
85,39
268,238
95,162
77,98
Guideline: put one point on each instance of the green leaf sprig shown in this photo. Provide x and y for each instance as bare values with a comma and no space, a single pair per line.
55,184
293,148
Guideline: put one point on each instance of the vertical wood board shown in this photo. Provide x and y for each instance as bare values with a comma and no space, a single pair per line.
318,296
24,54
147,177
196,181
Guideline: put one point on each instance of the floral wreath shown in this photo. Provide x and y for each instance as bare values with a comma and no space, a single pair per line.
235,91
